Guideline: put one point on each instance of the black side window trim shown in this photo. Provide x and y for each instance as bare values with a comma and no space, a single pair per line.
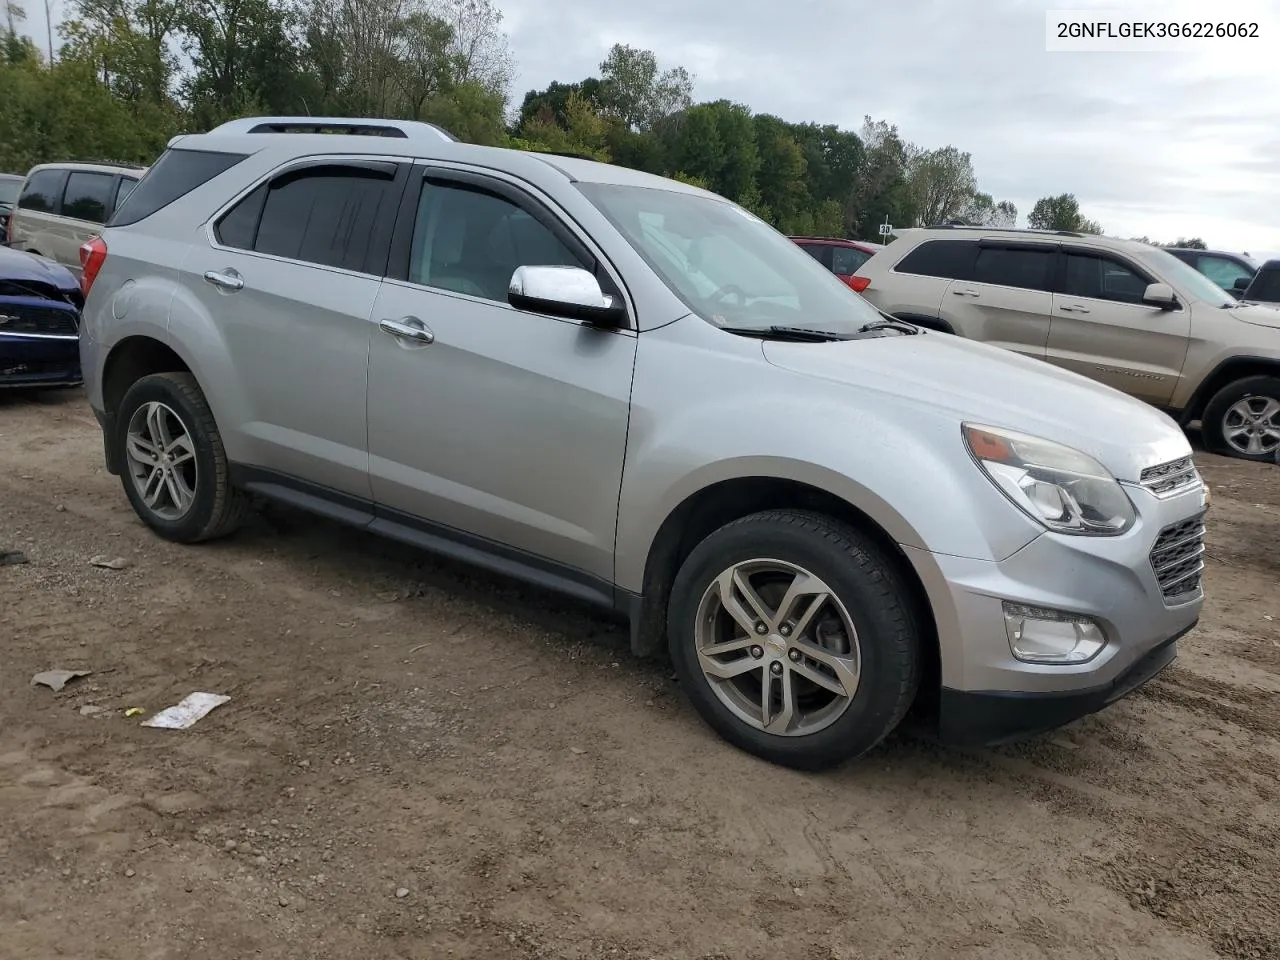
375,261
402,240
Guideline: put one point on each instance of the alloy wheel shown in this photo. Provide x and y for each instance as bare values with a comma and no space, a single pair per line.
777,647
161,459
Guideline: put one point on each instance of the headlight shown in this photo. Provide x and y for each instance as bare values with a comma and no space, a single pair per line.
1062,488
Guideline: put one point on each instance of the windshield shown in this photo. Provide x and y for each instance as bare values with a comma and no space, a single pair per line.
9,191
727,265
1188,277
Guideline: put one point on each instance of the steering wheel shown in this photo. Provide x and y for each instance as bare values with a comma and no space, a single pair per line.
727,291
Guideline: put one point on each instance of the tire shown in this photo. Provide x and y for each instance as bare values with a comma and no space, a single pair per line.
870,596
215,508
1223,413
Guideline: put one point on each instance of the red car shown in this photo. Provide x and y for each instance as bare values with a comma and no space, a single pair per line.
841,257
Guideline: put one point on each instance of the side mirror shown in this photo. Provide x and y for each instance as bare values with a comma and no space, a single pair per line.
1242,283
1160,295
569,292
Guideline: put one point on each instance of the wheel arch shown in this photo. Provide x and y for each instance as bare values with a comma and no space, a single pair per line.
1225,373
723,501
127,362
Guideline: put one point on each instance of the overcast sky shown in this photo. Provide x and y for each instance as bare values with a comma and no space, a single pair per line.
1158,144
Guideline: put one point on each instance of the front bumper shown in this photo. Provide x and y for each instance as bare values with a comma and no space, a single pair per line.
987,694
39,362
991,718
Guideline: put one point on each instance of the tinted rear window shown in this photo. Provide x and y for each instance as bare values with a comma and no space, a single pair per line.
43,191
88,196
948,259
1013,267
174,175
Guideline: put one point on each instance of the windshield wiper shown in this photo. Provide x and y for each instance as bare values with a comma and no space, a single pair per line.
779,332
891,323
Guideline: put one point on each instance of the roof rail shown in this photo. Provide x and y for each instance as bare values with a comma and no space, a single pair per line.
400,129
128,164
969,226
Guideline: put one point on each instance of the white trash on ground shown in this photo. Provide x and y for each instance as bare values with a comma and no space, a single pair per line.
57,679
192,708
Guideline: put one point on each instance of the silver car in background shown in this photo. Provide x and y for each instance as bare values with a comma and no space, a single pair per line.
637,393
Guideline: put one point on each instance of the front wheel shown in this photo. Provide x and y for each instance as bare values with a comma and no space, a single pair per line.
1243,419
794,637
175,467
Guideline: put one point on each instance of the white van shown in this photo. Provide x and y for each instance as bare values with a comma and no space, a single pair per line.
62,205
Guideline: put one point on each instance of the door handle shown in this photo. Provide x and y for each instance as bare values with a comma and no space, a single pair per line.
227,280
408,328
1073,308
966,293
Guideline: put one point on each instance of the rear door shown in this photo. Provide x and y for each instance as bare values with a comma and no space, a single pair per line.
1006,299
1102,329
287,277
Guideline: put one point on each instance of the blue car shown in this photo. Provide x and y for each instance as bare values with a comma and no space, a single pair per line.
40,305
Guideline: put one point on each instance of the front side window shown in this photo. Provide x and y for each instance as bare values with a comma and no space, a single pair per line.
727,265
1014,267
845,261
88,196
1223,272
470,241
1102,278
323,215
43,191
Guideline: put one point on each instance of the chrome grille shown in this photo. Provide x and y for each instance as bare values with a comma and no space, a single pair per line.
1178,559
51,321
1166,478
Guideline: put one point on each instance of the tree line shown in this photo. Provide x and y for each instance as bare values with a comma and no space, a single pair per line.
127,75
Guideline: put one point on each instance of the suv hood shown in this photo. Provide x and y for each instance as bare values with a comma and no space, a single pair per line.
940,374
1256,312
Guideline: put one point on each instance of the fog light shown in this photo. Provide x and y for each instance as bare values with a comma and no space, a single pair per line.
1040,635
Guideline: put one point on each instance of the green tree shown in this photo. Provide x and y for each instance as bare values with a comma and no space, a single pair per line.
781,175
633,91
1061,212
942,184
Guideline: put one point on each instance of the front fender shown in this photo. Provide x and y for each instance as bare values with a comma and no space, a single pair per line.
734,416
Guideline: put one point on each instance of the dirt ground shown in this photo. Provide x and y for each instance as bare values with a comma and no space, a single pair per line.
419,762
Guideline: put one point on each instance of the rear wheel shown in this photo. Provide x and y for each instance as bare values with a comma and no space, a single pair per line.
1243,419
794,638
175,468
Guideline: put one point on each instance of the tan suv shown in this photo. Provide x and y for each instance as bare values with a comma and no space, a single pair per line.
62,205
1122,312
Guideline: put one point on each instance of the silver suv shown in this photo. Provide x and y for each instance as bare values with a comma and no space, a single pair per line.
638,393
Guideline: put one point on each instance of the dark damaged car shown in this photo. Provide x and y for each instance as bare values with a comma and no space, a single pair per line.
40,305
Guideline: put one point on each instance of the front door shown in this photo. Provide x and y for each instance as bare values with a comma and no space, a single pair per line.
1102,329
490,425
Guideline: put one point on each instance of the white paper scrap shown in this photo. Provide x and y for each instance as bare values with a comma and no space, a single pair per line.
192,708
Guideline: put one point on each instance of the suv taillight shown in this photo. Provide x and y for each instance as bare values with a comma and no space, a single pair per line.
92,256
858,284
